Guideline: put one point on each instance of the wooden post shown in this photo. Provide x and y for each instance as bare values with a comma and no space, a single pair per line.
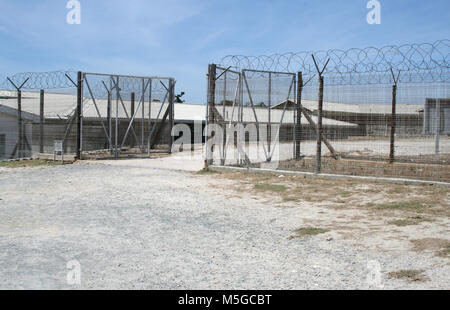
41,123
298,124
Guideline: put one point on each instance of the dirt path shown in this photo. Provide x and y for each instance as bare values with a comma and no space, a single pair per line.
154,225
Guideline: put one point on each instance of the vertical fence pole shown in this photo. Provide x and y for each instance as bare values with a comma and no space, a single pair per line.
298,123
224,118
19,125
319,127
143,118
393,122
133,99
150,100
109,121
79,112
116,147
269,123
210,101
438,126
171,112
41,122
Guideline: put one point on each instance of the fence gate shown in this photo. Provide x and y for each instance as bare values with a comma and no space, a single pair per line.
251,116
126,116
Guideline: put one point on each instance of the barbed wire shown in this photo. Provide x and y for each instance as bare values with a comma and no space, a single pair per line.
433,59
64,80
40,80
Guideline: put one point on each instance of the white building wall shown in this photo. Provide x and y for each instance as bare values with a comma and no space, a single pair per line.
9,128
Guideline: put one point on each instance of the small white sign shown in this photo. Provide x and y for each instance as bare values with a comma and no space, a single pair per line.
58,146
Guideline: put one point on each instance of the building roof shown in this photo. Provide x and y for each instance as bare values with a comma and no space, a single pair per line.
13,113
62,106
356,108
276,115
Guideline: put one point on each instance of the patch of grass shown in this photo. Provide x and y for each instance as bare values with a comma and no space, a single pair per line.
406,205
290,199
409,221
308,232
27,163
441,247
207,172
409,275
399,190
345,194
271,188
445,252
373,191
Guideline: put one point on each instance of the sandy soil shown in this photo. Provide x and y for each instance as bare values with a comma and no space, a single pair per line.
157,224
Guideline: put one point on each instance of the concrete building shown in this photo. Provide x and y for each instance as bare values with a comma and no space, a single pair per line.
372,119
431,116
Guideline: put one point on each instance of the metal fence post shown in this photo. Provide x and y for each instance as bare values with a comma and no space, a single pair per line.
19,124
212,70
110,146
171,112
133,108
393,123
298,124
319,127
394,116
41,123
79,112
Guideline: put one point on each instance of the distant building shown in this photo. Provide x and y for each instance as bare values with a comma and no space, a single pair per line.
372,119
431,117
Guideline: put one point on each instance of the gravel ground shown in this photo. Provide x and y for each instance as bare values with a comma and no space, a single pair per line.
149,225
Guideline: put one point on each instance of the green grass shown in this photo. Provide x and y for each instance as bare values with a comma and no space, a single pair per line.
271,188
407,205
290,199
345,194
27,163
207,172
308,232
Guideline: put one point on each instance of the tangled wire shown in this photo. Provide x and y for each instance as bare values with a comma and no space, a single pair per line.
406,58
65,81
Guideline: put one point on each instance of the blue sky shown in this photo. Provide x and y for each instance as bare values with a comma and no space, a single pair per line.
180,37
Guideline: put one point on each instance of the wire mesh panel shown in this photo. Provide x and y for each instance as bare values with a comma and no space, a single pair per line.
372,112
126,115
89,114
36,110
251,116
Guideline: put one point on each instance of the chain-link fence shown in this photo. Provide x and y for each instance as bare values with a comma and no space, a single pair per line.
85,115
369,112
